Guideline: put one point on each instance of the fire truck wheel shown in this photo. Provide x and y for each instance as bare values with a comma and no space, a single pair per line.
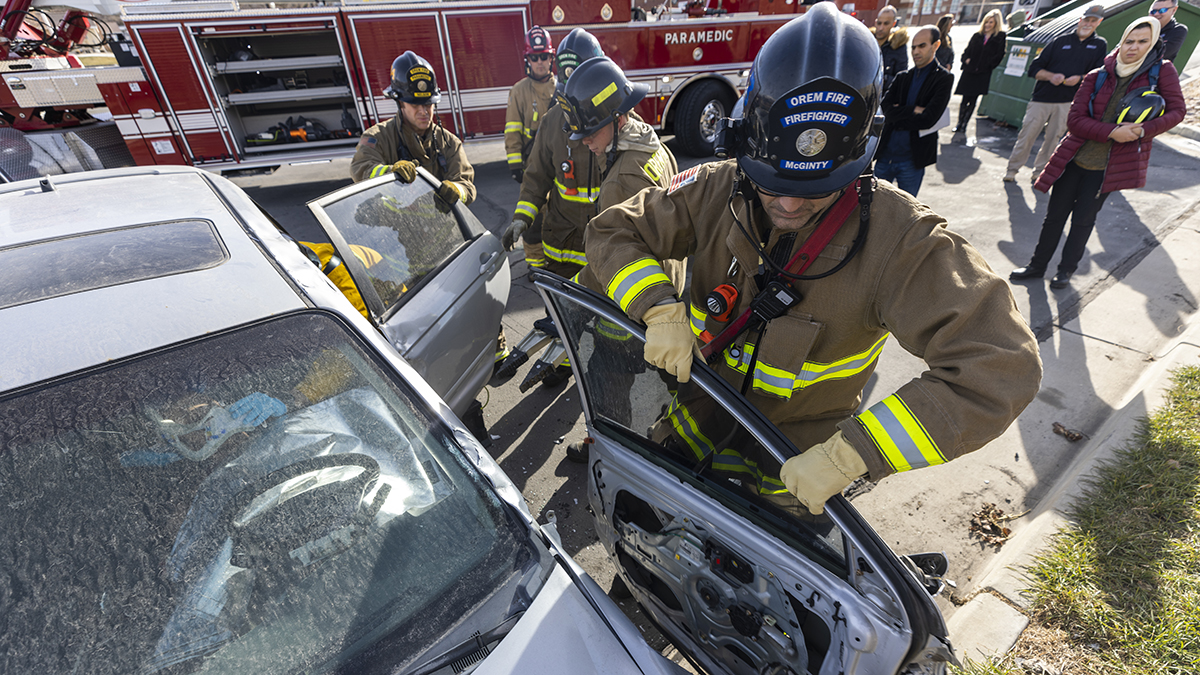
701,107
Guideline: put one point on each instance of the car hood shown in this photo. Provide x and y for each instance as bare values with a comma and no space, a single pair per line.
561,632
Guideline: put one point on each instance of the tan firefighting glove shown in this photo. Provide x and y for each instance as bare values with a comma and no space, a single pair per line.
405,170
515,229
449,193
669,339
822,471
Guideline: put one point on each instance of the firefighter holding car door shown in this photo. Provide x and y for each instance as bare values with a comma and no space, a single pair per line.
813,266
414,138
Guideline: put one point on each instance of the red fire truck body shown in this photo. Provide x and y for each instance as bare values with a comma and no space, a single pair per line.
245,88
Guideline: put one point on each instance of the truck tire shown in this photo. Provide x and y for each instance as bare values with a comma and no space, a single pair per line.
701,107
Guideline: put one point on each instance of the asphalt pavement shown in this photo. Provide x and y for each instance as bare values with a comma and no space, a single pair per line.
1107,344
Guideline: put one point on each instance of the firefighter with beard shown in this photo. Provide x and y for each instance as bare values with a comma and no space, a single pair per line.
528,103
826,265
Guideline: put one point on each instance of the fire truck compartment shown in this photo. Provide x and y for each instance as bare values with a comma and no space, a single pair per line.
280,89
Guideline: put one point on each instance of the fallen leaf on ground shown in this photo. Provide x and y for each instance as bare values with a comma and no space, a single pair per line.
1070,434
986,524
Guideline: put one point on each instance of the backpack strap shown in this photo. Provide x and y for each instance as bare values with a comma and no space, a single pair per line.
1100,78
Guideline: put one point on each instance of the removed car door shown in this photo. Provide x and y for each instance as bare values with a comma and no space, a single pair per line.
683,482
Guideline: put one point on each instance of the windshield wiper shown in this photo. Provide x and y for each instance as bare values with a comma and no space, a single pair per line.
468,646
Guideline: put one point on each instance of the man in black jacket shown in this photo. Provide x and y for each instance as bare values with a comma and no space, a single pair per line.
912,108
1058,69
1172,32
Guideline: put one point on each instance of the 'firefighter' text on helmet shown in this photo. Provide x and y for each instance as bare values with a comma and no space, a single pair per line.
578,46
413,81
596,94
810,120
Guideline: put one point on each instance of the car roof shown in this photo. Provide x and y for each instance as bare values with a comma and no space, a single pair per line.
47,331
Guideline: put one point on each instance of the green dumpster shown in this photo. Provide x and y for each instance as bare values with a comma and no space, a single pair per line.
1011,87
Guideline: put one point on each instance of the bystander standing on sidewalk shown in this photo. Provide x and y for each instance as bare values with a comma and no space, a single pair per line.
1058,69
982,55
1119,108
1171,31
912,109
945,53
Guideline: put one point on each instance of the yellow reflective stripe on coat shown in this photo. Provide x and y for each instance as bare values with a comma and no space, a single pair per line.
688,430
564,254
611,331
900,436
727,460
514,158
656,167
514,127
732,461
527,209
632,279
378,170
698,315
583,195
784,383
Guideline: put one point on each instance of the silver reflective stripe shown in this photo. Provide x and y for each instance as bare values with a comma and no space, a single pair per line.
899,436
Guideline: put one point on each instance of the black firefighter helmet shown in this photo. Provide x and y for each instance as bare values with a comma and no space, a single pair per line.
595,95
1140,105
578,46
810,120
413,81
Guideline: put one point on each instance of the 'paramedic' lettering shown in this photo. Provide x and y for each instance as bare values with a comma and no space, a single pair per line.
805,166
837,118
698,36
835,97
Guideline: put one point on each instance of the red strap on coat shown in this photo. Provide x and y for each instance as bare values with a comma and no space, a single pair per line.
816,242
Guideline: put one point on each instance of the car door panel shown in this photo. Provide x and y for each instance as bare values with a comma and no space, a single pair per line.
735,572
436,282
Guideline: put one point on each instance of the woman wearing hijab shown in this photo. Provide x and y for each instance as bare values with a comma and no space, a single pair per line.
1101,154
982,55
945,53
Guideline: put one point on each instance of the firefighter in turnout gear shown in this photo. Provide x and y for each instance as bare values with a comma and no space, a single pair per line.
825,265
597,100
414,138
528,103
562,180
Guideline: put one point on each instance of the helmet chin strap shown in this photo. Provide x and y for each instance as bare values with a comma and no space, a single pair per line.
611,156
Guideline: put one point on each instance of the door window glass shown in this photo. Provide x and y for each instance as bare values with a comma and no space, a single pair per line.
401,233
689,432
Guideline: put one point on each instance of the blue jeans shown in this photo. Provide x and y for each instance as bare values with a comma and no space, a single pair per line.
902,172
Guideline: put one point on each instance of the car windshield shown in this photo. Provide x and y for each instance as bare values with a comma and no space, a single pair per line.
150,526
690,433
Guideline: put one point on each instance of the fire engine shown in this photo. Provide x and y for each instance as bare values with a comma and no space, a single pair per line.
213,85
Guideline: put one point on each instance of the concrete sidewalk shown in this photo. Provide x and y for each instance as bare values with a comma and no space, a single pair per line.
1168,276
